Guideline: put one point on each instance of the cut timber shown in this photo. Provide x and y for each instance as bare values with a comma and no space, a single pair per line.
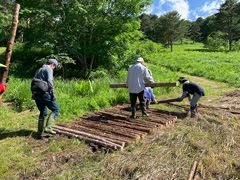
133,121
105,128
129,129
191,174
89,140
161,84
166,101
115,131
88,135
109,136
198,171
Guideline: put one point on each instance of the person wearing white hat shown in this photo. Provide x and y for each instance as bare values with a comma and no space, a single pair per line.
136,85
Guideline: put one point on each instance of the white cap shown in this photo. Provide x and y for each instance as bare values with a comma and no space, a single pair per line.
140,60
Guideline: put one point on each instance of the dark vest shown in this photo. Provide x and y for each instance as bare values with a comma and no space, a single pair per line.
192,87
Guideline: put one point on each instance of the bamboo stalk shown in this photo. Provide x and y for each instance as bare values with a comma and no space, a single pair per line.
161,84
191,174
9,48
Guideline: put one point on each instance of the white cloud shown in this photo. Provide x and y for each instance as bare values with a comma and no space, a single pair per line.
150,9
211,7
181,6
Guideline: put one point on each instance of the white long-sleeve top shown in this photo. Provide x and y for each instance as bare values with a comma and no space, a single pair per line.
135,78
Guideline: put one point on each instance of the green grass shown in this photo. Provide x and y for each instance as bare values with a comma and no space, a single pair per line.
74,101
221,66
212,136
2,49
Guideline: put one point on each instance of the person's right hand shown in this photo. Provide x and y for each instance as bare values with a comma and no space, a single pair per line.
54,97
33,98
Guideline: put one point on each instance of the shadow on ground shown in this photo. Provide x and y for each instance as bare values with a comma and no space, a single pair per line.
178,114
20,133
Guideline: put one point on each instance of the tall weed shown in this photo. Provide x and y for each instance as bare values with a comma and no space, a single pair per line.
76,97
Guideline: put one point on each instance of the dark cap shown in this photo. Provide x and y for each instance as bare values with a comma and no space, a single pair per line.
181,79
53,61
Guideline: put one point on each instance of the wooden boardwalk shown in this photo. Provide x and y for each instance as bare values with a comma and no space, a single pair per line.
112,127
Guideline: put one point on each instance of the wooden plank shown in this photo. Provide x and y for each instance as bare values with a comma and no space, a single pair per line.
160,84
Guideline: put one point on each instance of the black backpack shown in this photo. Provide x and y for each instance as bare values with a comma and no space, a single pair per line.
39,86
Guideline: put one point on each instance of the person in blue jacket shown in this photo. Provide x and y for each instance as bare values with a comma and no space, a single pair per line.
191,88
152,97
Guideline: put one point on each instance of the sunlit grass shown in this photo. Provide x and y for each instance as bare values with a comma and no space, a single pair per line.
195,60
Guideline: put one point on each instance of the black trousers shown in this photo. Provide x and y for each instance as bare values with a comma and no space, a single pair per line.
134,96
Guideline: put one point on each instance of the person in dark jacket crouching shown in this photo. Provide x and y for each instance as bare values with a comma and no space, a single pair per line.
191,88
45,99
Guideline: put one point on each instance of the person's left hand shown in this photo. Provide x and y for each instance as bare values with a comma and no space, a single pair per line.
54,97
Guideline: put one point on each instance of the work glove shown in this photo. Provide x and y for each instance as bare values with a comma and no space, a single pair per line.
179,100
7,79
54,97
33,98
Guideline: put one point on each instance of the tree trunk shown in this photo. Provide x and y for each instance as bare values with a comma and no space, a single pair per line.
93,56
171,46
230,45
9,48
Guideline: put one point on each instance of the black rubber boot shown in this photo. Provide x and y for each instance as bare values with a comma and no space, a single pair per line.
133,113
193,111
144,112
147,104
40,129
50,122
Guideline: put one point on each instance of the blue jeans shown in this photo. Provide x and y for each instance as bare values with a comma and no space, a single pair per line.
44,102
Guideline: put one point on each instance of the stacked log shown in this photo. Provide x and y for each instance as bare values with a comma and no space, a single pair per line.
110,129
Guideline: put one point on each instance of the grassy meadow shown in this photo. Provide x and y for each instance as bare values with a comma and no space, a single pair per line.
213,136
193,59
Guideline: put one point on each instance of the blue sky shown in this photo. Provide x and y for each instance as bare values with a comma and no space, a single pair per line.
188,9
